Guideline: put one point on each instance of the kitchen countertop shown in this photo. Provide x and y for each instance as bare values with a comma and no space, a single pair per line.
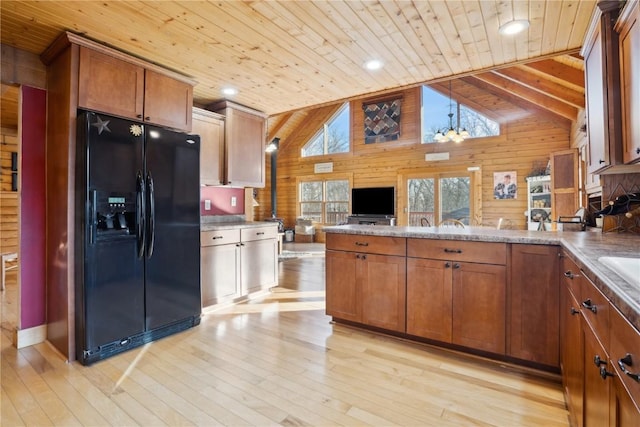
584,247
212,226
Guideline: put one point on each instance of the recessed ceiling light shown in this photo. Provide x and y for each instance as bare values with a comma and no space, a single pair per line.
514,27
229,91
374,64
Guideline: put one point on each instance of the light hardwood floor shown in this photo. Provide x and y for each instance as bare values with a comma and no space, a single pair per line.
275,360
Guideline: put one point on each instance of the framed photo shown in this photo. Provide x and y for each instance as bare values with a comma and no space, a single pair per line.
505,185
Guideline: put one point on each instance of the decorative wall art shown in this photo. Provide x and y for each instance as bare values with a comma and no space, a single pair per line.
505,185
382,121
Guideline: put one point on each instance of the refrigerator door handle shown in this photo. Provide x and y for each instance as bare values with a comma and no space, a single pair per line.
152,215
140,214
93,221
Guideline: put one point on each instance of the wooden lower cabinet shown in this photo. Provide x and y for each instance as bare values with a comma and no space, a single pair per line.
454,301
534,304
259,265
429,299
479,302
572,351
599,346
220,273
366,288
596,381
236,262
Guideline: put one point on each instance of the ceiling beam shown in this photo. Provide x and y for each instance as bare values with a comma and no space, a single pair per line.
560,108
281,121
544,86
522,103
559,70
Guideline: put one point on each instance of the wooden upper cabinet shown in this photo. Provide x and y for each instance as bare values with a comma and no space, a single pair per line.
564,183
110,85
115,86
245,133
629,28
167,101
210,127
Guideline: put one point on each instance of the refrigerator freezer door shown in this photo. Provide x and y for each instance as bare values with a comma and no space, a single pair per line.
172,289
111,288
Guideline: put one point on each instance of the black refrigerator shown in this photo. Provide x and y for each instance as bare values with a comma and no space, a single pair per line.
137,243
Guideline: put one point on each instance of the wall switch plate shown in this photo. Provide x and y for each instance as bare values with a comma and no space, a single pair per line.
234,201
207,205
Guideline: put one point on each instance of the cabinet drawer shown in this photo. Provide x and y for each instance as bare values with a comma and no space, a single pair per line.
368,244
571,276
219,237
258,233
595,308
455,250
625,352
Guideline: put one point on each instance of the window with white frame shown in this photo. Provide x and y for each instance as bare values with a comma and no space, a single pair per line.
332,138
435,117
325,201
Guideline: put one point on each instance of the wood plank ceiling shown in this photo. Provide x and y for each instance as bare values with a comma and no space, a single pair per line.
287,56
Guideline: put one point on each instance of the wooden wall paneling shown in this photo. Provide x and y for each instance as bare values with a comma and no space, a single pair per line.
8,199
527,137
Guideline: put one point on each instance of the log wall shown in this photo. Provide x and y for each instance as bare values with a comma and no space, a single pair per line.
8,198
526,140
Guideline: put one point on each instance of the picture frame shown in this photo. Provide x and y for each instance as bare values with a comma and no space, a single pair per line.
505,185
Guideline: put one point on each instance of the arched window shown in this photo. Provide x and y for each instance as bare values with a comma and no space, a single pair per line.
435,110
332,138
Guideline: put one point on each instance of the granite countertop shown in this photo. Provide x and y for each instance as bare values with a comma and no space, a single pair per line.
232,225
584,247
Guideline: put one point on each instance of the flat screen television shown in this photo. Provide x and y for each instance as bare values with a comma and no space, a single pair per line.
373,201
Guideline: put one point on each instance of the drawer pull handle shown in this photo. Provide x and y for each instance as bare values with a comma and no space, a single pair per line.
453,251
359,256
260,233
589,305
597,360
628,361
604,373
217,237
569,274
573,311
362,244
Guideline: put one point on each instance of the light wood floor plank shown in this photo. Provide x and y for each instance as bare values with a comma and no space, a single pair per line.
274,360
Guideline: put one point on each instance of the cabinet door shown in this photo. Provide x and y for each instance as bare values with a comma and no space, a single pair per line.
534,302
572,354
110,85
597,156
623,410
596,388
220,273
342,299
211,131
245,145
564,183
383,290
167,101
259,265
479,306
630,82
429,298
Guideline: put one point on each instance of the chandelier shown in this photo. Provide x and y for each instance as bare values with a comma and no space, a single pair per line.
451,134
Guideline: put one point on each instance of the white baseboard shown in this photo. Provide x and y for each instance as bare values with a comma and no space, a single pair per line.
31,336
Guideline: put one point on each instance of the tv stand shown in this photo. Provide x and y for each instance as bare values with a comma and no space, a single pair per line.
371,220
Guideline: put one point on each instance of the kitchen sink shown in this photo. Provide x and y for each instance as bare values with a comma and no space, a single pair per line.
627,268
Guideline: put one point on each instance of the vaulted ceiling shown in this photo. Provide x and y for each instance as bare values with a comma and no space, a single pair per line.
286,56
